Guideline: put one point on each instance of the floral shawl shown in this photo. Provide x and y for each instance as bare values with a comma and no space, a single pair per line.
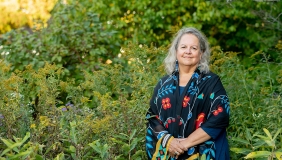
203,103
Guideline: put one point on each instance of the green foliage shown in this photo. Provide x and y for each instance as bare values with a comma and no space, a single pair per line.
74,39
128,145
20,148
83,33
263,143
102,150
255,95
102,106
233,25
102,116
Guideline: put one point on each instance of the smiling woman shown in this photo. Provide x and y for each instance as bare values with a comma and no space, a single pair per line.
188,52
189,109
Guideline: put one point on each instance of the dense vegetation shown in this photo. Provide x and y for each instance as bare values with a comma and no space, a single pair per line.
79,87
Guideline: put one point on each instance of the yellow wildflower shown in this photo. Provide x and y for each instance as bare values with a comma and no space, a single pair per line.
32,126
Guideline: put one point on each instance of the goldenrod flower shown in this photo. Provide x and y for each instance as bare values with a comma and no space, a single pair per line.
32,126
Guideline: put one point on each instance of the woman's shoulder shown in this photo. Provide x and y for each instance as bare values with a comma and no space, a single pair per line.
214,79
212,75
166,79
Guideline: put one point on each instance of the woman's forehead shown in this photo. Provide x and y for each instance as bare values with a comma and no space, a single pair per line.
189,39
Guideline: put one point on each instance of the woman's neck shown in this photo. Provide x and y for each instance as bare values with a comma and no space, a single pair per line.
186,69
185,74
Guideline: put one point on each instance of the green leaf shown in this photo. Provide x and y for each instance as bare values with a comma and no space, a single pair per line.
262,137
123,134
16,139
258,154
101,150
241,140
138,154
241,150
270,143
13,146
121,137
60,156
132,134
10,146
22,154
278,155
117,141
7,142
258,144
73,132
95,145
38,157
267,133
248,135
72,149
277,133
126,148
120,158
132,146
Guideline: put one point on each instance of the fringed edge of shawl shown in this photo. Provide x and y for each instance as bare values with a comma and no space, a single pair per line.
158,145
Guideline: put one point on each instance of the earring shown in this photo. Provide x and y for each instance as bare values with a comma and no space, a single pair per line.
176,66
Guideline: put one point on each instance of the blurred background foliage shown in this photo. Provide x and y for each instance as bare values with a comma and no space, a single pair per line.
24,13
81,33
76,76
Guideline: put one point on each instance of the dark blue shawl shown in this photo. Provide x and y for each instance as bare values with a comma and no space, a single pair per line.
203,103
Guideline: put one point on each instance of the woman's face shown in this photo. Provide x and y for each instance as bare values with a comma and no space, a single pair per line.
188,51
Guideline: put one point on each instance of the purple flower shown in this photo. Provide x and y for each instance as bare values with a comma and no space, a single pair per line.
64,109
69,104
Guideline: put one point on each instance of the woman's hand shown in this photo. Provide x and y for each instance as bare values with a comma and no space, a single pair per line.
176,148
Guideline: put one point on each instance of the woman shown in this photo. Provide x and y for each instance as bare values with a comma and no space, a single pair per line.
189,110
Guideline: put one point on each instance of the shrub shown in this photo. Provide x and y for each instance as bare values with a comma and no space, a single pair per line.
102,116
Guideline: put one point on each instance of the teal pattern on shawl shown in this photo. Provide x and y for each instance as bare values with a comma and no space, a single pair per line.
203,102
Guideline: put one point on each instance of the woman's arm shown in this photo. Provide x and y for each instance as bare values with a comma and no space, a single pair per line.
197,137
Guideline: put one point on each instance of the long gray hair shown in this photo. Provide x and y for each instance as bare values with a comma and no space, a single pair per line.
170,59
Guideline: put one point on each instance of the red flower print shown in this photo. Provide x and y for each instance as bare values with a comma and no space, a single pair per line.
185,101
169,121
215,112
180,122
200,120
173,119
166,103
220,109
166,126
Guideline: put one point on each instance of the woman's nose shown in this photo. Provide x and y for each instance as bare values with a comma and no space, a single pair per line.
188,50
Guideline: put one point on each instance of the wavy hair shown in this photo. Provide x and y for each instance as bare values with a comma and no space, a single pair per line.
170,59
